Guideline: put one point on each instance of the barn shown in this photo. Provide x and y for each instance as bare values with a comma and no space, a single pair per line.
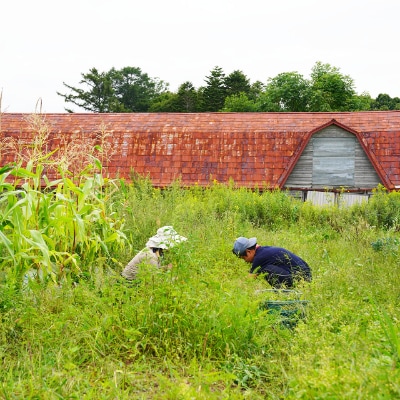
312,155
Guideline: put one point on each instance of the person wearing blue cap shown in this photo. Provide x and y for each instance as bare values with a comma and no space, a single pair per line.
280,267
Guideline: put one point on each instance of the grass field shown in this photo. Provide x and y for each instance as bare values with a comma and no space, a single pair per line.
71,328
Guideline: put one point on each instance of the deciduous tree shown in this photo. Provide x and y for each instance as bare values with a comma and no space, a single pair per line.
288,91
330,89
239,103
98,94
385,102
125,90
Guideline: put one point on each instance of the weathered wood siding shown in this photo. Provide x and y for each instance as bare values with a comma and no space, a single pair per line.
332,159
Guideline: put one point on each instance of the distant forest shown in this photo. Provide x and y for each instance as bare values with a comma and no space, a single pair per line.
132,90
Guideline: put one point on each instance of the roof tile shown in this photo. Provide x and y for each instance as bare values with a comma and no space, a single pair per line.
251,148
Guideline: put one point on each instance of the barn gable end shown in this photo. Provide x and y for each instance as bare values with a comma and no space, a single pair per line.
333,158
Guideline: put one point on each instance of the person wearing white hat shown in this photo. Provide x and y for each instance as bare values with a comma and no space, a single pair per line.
165,238
280,267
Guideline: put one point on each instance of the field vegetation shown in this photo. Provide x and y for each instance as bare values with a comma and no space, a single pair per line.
71,328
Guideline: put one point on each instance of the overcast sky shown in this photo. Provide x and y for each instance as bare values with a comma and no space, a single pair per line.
47,42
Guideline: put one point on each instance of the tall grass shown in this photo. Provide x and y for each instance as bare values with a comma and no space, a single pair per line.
197,331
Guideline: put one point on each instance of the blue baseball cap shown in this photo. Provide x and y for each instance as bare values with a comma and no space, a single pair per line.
242,244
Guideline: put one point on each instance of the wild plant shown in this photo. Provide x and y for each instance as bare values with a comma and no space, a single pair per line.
196,330
54,229
383,209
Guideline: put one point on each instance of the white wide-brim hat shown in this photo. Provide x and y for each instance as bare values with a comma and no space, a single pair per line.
165,238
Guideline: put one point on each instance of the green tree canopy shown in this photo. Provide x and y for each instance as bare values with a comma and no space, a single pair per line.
237,82
131,90
165,102
188,99
135,89
214,93
125,90
288,91
330,89
360,102
98,96
385,102
239,103
256,90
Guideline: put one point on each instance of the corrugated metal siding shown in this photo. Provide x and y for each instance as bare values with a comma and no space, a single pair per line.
340,199
349,199
333,158
321,198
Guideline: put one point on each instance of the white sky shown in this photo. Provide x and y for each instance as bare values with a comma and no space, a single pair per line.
47,42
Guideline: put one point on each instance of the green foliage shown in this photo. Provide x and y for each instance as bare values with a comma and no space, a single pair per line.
197,330
64,230
165,102
288,91
362,102
125,90
100,95
386,244
330,89
134,89
188,99
385,102
131,90
237,82
214,93
239,103
383,209
59,230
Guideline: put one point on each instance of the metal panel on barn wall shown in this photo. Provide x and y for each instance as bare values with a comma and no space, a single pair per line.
333,161
349,199
340,199
321,198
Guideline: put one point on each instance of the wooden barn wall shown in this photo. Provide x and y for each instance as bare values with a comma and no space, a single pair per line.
333,158
301,175
364,174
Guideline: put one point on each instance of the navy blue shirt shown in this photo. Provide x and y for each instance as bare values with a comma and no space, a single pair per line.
279,266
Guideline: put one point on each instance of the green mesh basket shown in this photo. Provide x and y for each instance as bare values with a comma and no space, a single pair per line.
288,311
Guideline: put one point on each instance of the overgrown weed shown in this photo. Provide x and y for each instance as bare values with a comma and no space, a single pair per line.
197,331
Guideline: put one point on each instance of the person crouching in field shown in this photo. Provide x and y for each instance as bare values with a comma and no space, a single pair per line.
152,255
280,267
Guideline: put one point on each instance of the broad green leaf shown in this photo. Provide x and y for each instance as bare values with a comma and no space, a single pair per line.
7,244
22,173
6,168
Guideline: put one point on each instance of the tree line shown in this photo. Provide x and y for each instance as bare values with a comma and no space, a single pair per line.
131,90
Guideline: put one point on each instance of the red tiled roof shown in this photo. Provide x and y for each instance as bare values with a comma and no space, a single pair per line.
252,149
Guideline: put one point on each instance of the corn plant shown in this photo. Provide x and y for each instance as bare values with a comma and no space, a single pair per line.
56,229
